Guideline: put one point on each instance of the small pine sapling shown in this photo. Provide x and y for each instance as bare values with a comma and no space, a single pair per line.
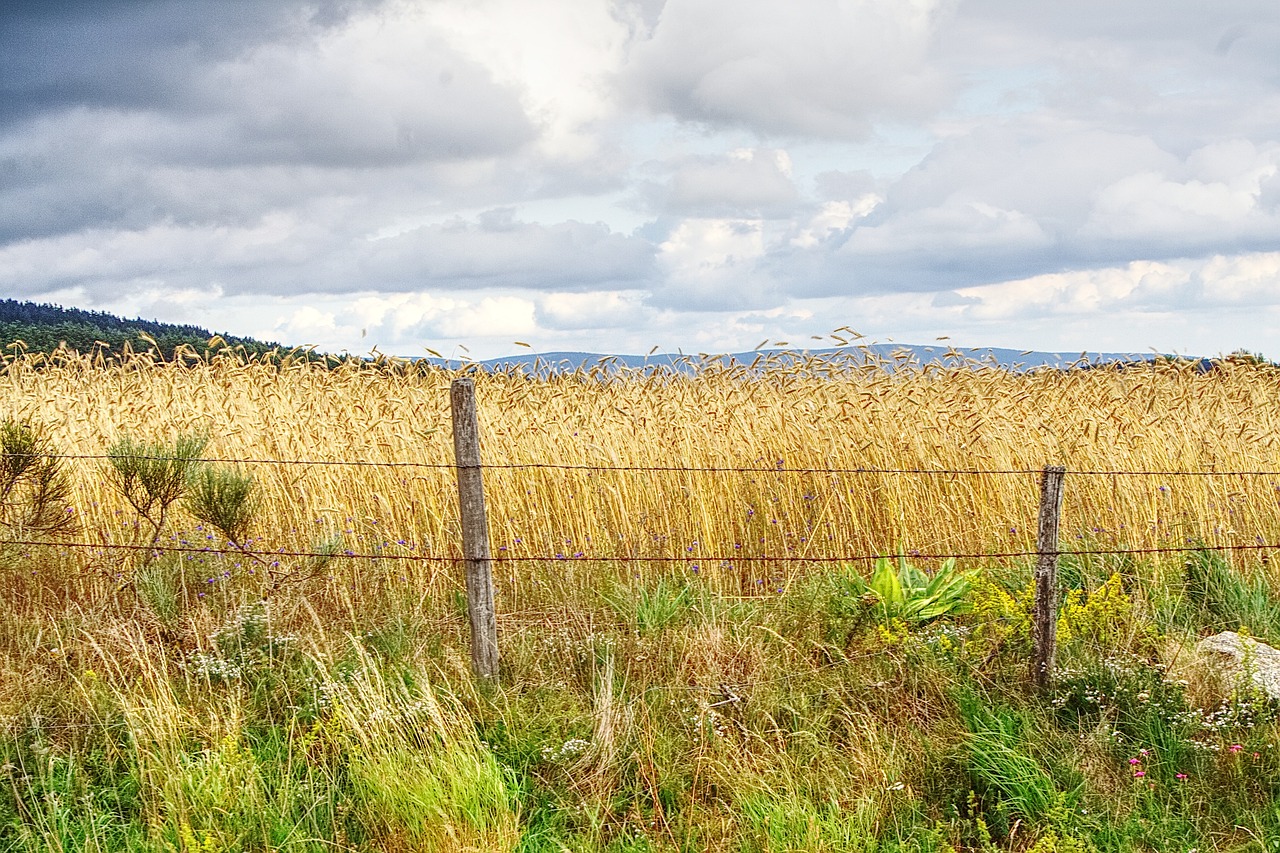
35,491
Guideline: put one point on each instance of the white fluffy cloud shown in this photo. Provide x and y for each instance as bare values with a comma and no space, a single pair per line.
824,68
745,182
375,92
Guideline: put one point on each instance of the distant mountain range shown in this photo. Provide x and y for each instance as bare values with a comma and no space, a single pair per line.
889,355
43,328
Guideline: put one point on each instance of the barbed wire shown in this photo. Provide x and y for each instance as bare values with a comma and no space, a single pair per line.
1173,473
557,466
251,461
692,469
696,559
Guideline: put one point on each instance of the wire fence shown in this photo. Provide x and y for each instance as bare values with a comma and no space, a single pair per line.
271,560
723,559
779,468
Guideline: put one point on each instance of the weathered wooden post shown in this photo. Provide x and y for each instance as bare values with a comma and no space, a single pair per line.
1044,616
475,529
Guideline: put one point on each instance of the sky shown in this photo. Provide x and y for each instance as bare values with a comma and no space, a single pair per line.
482,178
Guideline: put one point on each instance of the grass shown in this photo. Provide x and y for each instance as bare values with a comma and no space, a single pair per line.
208,700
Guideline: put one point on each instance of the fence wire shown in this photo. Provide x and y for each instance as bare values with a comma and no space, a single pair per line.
722,560
558,466
780,468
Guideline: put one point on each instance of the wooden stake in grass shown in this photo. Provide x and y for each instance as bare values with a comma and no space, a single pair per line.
475,529
1044,624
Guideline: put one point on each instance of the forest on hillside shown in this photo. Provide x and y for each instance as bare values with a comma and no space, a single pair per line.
32,327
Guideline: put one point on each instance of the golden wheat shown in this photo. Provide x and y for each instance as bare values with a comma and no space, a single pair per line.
803,430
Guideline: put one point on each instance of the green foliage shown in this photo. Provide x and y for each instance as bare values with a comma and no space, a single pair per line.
243,649
35,491
154,476
67,800
1225,599
730,724
911,596
159,585
1000,766
225,499
45,328
1100,617
650,610
774,822
1136,705
417,770
834,605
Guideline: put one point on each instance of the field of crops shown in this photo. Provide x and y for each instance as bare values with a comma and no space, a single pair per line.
691,659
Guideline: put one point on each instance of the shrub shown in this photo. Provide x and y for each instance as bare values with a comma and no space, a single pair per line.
34,489
225,499
152,477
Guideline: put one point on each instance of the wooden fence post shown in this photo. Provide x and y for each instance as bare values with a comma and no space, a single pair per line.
475,529
1044,616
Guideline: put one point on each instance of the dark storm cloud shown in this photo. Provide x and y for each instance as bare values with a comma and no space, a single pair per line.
249,82
132,54
121,115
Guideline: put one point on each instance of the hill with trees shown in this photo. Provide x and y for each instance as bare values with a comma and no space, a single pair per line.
32,327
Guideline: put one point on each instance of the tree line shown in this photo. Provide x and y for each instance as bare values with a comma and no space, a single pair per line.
32,327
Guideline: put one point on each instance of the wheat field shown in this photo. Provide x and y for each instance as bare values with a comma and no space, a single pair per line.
814,441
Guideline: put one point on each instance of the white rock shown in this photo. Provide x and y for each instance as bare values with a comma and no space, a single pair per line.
1239,653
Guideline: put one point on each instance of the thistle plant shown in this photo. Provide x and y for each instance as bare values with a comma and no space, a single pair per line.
34,489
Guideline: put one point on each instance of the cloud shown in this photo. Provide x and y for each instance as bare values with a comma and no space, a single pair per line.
595,310
374,93
287,254
407,323
1138,285
745,183
1178,72
499,250
714,265
631,172
558,56
823,68
1189,286
126,56
1025,198
382,89
1222,194
1245,280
